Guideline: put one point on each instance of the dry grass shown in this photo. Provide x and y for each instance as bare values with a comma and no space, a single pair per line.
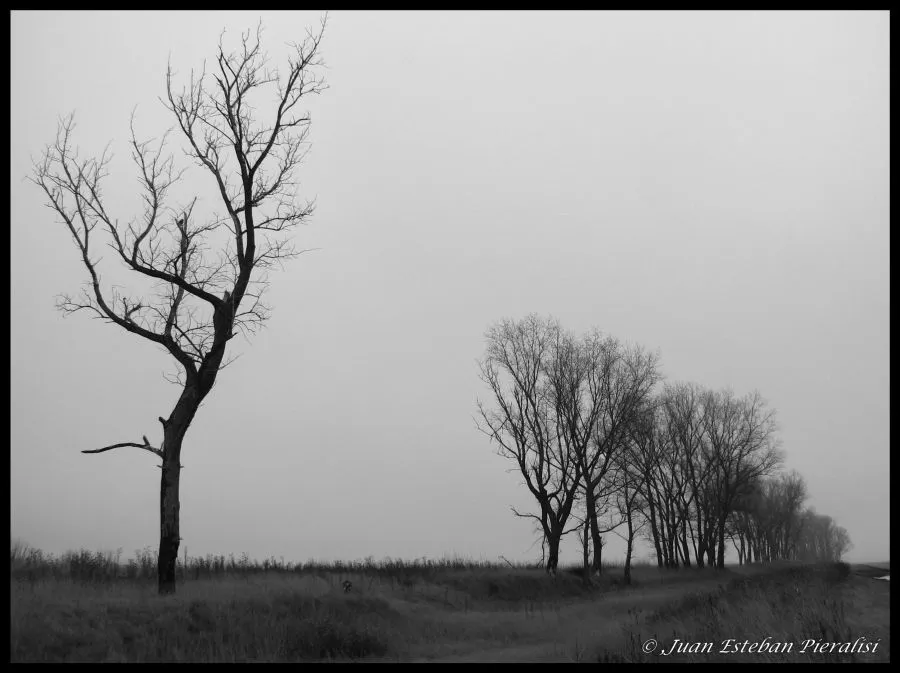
450,610
806,608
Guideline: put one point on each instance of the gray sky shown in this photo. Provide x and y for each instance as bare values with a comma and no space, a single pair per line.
712,185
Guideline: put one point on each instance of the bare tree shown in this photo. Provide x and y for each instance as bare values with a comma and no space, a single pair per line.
523,365
840,541
688,463
821,539
607,518
629,476
209,276
703,456
618,380
741,436
768,519
791,493
648,453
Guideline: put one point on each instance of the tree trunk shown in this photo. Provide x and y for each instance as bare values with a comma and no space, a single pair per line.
586,568
720,561
672,539
553,554
169,529
684,543
174,429
655,532
664,543
629,548
701,537
591,505
710,535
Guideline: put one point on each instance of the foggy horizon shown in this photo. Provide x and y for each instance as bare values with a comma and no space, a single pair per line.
713,186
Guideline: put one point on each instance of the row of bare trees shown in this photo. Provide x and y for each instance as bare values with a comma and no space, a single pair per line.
699,452
604,445
771,523
563,405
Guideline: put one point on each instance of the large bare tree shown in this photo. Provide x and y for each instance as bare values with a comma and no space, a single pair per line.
619,379
629,477
744,448
687,463
529,365
208,274
647,453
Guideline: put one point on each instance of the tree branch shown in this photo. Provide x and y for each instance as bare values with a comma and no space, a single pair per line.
146,446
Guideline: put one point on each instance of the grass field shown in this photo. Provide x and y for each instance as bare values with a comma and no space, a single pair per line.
456,610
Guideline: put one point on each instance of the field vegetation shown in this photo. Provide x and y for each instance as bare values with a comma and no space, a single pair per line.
93,607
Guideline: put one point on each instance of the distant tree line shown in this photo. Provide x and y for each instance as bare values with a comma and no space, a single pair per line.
770,523
604,444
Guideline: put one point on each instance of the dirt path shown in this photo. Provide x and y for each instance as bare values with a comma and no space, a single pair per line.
579,626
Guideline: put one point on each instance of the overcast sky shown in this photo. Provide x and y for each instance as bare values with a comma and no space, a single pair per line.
711,185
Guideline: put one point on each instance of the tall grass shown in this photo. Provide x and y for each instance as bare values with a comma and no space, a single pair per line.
95,607
83,565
